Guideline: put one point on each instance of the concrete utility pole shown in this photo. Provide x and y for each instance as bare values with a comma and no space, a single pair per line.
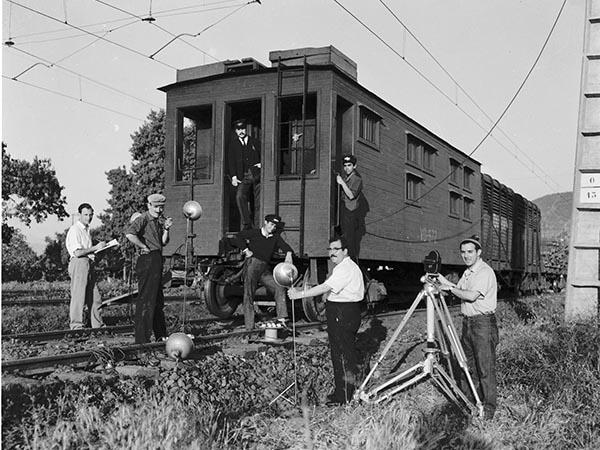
583,281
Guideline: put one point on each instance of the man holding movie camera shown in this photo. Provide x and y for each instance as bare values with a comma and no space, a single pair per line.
477,290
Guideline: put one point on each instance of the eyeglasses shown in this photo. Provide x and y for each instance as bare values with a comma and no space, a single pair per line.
334,249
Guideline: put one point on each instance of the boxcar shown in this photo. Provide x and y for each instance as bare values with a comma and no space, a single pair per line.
308,110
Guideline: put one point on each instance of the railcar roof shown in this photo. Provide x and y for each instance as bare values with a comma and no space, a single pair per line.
331,67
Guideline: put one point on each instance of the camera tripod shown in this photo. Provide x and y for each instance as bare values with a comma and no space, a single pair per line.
447,344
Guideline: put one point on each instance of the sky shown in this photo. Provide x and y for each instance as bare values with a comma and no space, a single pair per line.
454,66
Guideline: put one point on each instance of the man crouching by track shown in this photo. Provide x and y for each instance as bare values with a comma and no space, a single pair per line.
477,290
258,247
345,288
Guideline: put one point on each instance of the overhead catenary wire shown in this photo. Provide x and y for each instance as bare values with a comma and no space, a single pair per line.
487,134
154,24
430,82
131,50
73,98
464,91
99,83
205,28
106,22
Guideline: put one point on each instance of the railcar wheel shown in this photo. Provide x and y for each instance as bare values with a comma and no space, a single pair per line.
314,308
222,298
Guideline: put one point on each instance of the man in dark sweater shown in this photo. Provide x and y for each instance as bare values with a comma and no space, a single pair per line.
258,247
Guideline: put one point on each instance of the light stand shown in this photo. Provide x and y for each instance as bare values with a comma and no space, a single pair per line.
192,211
284,274
430,367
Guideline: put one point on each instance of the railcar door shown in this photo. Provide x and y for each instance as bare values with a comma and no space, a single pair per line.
249,113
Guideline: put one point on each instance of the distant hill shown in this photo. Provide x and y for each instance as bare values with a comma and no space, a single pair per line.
556,215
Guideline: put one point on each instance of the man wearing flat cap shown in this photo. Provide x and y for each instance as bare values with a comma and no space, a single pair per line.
244,171
149,232
477,290
259,246
351,215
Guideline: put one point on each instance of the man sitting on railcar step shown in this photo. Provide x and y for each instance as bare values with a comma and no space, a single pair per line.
258,247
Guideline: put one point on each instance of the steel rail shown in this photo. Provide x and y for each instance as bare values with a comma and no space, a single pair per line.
93,357
65,301
84,332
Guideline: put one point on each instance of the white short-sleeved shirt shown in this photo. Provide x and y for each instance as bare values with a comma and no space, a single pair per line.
78,237
346,282
481,278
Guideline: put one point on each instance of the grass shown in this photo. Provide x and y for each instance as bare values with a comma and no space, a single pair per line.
549,392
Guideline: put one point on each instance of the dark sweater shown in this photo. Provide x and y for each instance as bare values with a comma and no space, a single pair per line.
261,247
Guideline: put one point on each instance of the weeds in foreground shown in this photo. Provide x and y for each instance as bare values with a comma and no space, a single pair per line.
549,385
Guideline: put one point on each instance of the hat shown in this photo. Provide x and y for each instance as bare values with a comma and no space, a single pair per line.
350,159
157,199
240,123
472,240
273,218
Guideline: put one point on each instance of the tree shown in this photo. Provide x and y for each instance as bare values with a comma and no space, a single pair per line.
55,260
129,189
30,191
19,261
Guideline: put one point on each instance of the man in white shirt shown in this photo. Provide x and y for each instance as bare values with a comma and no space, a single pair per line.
81,270
345,289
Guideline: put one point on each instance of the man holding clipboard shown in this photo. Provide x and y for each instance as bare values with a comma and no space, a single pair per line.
81,270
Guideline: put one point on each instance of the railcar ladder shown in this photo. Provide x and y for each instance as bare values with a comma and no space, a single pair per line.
583,280
284,72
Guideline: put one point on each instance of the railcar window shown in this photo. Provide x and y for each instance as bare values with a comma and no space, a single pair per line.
420,154
468,209
454,171
413,187
193,147
368,126
429,158
297,138
414,150
467,178
455,201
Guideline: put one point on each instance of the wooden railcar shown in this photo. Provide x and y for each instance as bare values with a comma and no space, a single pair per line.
308,110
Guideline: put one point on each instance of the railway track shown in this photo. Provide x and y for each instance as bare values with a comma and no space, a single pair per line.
53,335
8,302
94,357
91,358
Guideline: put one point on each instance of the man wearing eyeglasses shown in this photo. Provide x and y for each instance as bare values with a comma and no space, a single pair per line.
351,219
344,289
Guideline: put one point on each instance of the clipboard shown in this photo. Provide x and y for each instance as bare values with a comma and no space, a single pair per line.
109,244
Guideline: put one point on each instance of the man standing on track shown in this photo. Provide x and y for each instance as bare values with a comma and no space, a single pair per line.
149,232
477,290
81,270
345,289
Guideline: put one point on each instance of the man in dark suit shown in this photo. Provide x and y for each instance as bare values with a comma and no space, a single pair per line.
244,171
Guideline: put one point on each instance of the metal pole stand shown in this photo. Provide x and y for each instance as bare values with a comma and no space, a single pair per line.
430,366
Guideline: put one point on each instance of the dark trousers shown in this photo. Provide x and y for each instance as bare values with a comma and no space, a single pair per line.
149,314
343,321
247,190
257,270
479,340
352,229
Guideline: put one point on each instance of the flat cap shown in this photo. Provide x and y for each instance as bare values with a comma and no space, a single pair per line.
157,199
350,159
274,218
